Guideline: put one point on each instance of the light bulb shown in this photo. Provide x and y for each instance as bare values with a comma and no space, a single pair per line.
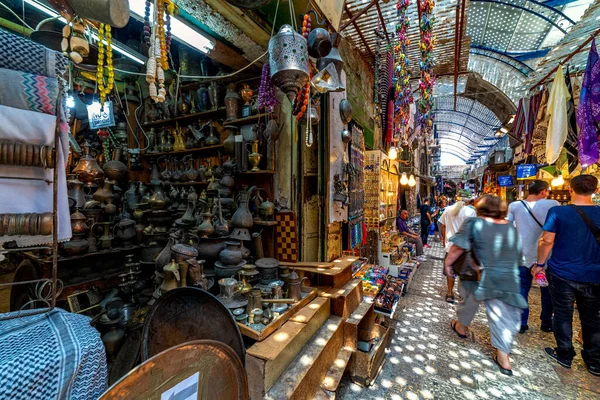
70,101
411,181
393,153
404,179
560,181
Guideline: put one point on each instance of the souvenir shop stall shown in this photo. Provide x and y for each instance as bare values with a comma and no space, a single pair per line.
149,219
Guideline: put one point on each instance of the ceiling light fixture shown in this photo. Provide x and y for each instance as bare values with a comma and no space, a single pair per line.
411,181
404,179
179,29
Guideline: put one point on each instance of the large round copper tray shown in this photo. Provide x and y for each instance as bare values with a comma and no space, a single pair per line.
187,314
220,375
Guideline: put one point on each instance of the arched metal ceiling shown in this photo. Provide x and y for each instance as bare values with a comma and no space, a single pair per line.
466,131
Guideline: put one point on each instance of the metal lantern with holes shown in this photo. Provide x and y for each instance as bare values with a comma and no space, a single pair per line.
288,58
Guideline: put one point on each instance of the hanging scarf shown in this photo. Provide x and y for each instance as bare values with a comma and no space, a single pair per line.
557,108
519,122
532,111
588,113
571,142
540,131
21,54
28,91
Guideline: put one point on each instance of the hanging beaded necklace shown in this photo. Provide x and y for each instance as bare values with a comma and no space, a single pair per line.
104,90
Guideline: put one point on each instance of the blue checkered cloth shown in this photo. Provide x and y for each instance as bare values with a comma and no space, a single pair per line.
56,355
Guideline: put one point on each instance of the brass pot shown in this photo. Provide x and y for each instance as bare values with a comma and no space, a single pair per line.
87,168
79,226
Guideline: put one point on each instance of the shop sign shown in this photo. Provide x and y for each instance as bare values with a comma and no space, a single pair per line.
100,117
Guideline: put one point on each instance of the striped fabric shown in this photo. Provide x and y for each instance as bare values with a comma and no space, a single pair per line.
534,106
28,91
21,54
519,123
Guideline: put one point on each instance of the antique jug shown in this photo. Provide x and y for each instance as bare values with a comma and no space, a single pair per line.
183,251
115,169
76,246
288,58
221,226
165,255
171,277
246,93
254,157
242,218
158,200
79,226
75,192
205,229
216,93
228,287
232,102
229,143
202,98
196,273
335,58
87,168
154,175
254,300
212,139
124,231
106,238
319,43
231,255
131,197
151,145
105,193
295,286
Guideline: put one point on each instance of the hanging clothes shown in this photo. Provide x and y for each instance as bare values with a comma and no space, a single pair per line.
533,107
588,113
571,141
519,122
540,130
558,123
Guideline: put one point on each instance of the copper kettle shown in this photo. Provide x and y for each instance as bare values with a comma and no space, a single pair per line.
295,286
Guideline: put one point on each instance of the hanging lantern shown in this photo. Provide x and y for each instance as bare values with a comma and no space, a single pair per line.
404,179
288,58
411,181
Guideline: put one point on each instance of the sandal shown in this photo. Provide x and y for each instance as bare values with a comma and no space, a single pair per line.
450,298
504,371
453,326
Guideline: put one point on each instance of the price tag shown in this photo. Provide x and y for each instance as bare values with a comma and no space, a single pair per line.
100,117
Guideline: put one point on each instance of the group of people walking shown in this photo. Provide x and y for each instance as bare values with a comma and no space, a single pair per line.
497,251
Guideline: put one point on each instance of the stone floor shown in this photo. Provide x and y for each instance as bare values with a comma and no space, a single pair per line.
427,360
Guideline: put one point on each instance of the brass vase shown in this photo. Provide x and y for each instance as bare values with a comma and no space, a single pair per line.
232,102
254,157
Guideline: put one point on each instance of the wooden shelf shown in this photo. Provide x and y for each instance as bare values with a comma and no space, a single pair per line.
246,120
266,223
183,152
187,183
209,114
262,171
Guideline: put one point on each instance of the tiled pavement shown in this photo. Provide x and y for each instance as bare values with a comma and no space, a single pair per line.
426,360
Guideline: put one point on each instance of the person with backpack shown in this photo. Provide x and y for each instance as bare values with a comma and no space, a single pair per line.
572,235
528,216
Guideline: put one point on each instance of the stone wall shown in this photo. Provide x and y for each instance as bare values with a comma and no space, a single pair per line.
359,91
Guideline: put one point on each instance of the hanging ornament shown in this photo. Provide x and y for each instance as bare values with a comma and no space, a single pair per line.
266,92
425,103
403,96
104,32
147,28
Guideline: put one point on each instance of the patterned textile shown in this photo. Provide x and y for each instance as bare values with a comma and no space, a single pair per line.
540,130
571,142
558,123
588,113
519,123
56,355
532,112
21,54
28,92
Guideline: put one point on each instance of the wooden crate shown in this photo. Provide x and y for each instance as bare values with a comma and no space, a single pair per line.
266,360
364,367
359,326
262,335
345,300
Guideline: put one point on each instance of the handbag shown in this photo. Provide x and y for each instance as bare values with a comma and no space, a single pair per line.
467,266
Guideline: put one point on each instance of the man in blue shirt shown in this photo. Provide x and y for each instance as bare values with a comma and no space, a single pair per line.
411,237
573,272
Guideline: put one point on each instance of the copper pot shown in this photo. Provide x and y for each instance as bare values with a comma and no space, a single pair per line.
87,168
79,225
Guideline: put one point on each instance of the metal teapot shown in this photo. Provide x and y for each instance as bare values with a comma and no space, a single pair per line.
295,286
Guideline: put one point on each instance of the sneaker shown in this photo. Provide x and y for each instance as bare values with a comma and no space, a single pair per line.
422,258
594,369
552,354
546,328
427,246
524,328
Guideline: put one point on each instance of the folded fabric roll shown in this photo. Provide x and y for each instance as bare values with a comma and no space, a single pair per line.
28,91
21,54
27,196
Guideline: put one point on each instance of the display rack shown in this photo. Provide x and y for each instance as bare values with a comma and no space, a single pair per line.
54,279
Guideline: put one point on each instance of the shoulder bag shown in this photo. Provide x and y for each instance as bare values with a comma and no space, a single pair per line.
588,222
530,211
466,266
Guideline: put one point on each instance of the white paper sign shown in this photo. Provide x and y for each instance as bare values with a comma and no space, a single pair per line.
187,389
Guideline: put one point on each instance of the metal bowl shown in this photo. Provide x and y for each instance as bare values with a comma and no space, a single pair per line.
186,314
345,111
